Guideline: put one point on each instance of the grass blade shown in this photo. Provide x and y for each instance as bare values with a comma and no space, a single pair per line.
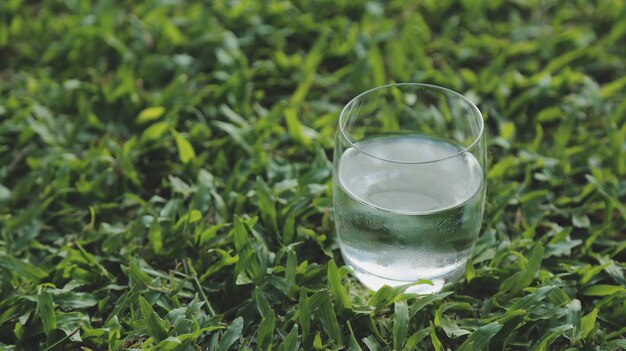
261,302
291,341
588,323
479,340
372,343
154,324
266,205
138,278
186,152
353,345
295,127
265,334
337,288
434,339
415,339
231,334
603,290
304,313
313,59
427,300
45,310
400,324
154,236
22,269
329,321
150,114
522,279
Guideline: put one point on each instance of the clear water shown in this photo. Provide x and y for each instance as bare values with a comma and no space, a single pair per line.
400,222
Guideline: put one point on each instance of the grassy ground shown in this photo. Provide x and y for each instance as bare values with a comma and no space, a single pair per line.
164,173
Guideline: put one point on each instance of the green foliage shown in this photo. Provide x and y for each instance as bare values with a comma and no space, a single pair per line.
165,174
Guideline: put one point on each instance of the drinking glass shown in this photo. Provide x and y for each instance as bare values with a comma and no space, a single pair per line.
409,185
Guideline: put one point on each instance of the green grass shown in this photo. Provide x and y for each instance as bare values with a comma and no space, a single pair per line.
165,173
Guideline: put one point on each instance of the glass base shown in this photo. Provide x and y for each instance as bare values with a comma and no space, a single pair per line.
375,282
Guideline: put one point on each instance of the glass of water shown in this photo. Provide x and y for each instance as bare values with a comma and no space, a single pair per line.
409,185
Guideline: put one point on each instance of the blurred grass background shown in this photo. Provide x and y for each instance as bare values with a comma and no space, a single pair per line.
164,173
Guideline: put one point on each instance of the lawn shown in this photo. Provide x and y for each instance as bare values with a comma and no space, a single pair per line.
165,173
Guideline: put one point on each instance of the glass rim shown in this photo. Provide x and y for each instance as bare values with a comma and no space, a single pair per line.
417,85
